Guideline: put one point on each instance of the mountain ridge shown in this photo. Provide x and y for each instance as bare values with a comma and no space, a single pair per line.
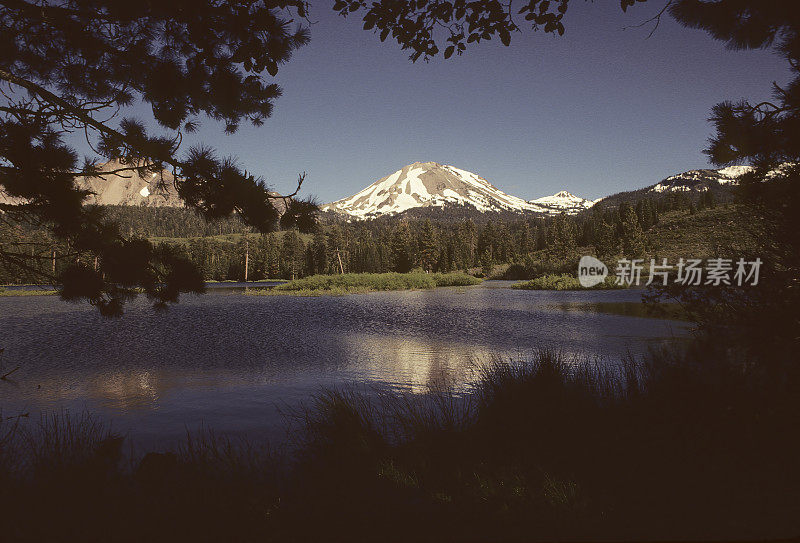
375,200
418,189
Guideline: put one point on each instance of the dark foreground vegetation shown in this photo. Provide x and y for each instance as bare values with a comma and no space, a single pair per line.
681,446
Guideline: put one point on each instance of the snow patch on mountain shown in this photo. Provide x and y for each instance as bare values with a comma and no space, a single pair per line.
701,180
732,172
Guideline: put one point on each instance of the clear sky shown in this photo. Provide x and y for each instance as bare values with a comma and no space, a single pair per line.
596,111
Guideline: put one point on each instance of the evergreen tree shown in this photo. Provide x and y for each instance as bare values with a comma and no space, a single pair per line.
271,248
504,243
707,200
402,259
605,244
292,256
487,240
319,253
562,242
527,239
632,235
428,246
487,263
336,244
469,244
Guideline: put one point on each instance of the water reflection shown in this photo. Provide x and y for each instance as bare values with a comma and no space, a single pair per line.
416,365
115,389
127,390
227,361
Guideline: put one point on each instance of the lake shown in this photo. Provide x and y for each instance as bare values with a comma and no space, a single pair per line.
235,363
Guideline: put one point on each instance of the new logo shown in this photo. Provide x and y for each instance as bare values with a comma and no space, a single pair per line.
591,271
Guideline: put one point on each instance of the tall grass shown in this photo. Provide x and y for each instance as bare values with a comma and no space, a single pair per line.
557,448
66,477
681,445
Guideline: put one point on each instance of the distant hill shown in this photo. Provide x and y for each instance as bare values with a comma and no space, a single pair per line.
690,184
720,231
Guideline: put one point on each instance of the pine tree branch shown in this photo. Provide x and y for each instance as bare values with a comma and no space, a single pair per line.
47,13
655,18
88,120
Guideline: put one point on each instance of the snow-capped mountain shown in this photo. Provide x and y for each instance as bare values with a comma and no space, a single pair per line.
703,180
429,184
700,180
564,202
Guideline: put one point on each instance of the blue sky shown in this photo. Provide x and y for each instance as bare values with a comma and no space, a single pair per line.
597,111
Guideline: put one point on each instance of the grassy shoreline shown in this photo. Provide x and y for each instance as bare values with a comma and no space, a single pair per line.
362,283
224,281
12,292
564,282
22,292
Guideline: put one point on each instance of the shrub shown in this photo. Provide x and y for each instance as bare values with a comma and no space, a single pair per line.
564,282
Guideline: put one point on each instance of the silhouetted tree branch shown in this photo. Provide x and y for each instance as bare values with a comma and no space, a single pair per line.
74,65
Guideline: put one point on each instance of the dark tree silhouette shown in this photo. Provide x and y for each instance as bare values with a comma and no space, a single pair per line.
765,135
71,66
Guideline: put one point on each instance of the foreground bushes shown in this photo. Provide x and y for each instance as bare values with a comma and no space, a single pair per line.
554,450
368,282
683,446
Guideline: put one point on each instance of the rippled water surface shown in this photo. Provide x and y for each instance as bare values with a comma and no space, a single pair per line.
234,362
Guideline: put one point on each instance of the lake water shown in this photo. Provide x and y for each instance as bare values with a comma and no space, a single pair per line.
235,363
